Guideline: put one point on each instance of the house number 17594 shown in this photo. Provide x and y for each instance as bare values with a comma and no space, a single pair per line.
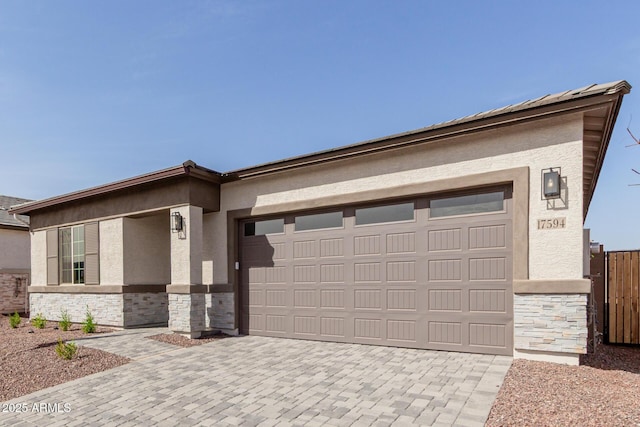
551,223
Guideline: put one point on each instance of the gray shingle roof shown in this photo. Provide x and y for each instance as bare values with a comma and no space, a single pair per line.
6,218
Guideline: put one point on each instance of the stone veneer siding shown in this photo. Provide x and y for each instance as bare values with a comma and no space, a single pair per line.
551,322
106,308
187,313
220,311
122,310
13,292
149,308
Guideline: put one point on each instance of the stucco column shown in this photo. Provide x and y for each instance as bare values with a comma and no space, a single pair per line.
186,293
186,247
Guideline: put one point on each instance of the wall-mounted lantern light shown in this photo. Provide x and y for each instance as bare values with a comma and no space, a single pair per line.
176,222
551,183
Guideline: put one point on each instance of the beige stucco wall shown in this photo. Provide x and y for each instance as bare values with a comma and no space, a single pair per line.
202,258
186,248
147,256
14,249
208,221
539,145
132,251
112,252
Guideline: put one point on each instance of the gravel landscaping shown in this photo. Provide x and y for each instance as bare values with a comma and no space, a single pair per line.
604,390
183,341
28,361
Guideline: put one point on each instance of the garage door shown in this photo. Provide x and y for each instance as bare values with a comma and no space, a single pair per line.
430,272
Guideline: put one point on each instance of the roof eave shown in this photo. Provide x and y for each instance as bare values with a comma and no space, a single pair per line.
502,117
16,227
606,139
188,168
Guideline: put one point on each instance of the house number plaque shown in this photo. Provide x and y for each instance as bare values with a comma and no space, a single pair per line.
551,223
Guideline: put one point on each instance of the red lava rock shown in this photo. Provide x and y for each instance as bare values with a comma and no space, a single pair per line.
603,391
183,341
29,362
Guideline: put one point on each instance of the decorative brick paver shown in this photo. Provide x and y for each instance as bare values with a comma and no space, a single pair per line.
259,381
131,343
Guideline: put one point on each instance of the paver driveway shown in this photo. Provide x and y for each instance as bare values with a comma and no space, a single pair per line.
270,381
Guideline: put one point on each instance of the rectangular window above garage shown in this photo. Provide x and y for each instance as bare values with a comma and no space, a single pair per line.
318,221
467,204
386,213
260,228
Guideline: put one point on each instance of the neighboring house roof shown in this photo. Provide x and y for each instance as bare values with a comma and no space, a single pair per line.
598,127
7,219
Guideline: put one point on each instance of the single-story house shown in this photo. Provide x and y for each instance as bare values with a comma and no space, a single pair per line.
14,257
463,236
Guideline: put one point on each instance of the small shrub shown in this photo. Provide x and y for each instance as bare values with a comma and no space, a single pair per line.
89,324
39,321
65,321
14,320
66,350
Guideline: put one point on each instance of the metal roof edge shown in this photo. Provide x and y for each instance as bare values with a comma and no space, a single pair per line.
591,91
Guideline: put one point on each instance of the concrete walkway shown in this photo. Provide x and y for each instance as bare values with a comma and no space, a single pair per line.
130,343
257,381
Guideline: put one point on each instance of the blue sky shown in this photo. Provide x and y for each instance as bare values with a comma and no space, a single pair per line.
96,91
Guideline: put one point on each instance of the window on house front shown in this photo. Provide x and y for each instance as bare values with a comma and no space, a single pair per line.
72,254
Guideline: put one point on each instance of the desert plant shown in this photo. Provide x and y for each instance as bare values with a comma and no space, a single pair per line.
39,321
89,324
65,321
66,350
14,320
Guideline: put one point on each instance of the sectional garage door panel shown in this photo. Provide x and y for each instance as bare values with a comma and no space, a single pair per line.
441,283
